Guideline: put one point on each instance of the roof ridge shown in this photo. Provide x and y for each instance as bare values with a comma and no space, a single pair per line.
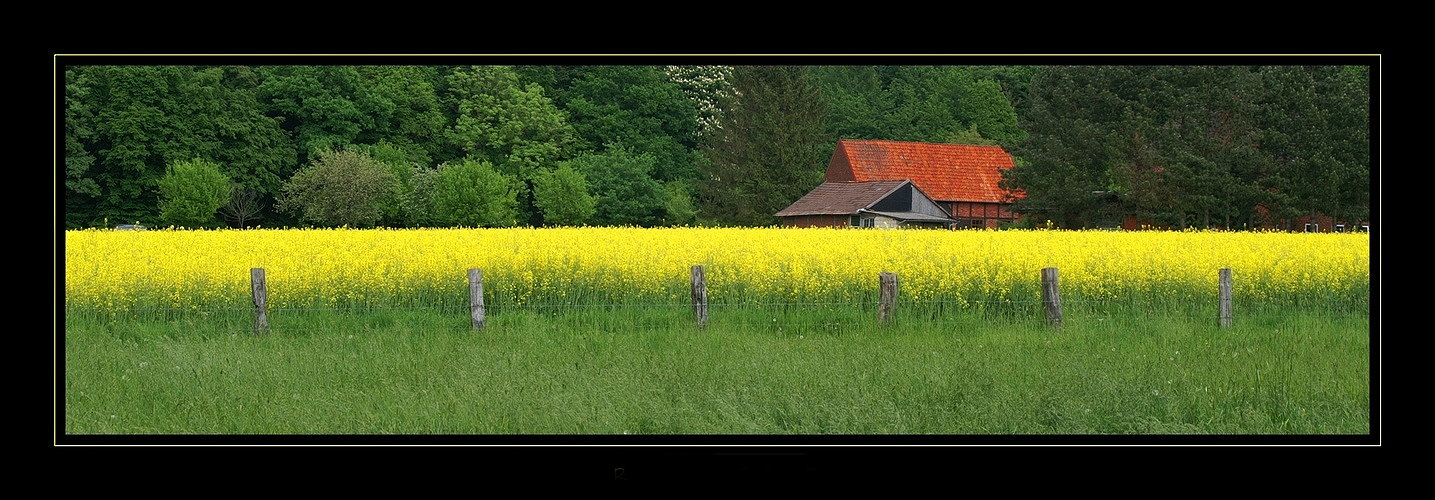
894,141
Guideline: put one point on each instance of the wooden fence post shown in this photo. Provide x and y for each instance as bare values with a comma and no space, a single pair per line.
259,289
700,296
888,301
1225,297
475,297
1051,295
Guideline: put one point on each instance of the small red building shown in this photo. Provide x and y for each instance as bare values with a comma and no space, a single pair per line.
960,178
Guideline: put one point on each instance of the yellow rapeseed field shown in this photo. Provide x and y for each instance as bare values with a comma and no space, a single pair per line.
345,267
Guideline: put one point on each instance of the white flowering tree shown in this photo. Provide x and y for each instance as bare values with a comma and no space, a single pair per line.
708,87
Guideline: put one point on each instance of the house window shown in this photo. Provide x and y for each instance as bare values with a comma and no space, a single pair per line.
1340,228
855,221
1364,228
1312,228
869,222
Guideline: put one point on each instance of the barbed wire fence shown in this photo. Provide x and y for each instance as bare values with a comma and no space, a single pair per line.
885,307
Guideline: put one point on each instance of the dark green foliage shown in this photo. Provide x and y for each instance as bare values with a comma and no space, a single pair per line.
645,111
562,195
984,107
1014,80
917,103
191,192
472,193
125,123
81,190
339,188
325,107
924,101
1179,145
623,187
857,103
396,109
1316,129
770,149
416,123
678,206
1064,164
1194,145
1205,130
637,107
515,127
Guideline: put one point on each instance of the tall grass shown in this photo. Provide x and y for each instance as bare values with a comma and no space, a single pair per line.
646,371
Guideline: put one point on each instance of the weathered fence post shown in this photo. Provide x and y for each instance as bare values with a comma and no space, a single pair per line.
1051,295
260,291
888,299
1225,297
475,297
700,296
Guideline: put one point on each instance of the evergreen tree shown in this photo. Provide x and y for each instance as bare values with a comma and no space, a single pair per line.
771,148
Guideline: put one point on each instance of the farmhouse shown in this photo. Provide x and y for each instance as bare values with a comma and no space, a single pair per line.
863,187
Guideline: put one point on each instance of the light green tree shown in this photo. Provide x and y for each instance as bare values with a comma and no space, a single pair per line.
562,195
514,127
473,193
191,192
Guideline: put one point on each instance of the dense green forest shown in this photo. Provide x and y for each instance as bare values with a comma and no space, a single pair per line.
423,146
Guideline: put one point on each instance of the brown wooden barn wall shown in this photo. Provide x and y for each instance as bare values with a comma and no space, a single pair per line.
990,213
817,221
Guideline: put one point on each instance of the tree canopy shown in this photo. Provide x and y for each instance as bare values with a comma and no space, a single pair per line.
191,192
1194,145
1205,146
339,188
770,147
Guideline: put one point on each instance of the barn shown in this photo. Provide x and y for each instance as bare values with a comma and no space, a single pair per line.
960,179
881,204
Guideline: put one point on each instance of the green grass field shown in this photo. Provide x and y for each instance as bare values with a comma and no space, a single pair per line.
750,372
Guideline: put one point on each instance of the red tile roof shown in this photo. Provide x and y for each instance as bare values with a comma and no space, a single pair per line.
840,198
946,172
